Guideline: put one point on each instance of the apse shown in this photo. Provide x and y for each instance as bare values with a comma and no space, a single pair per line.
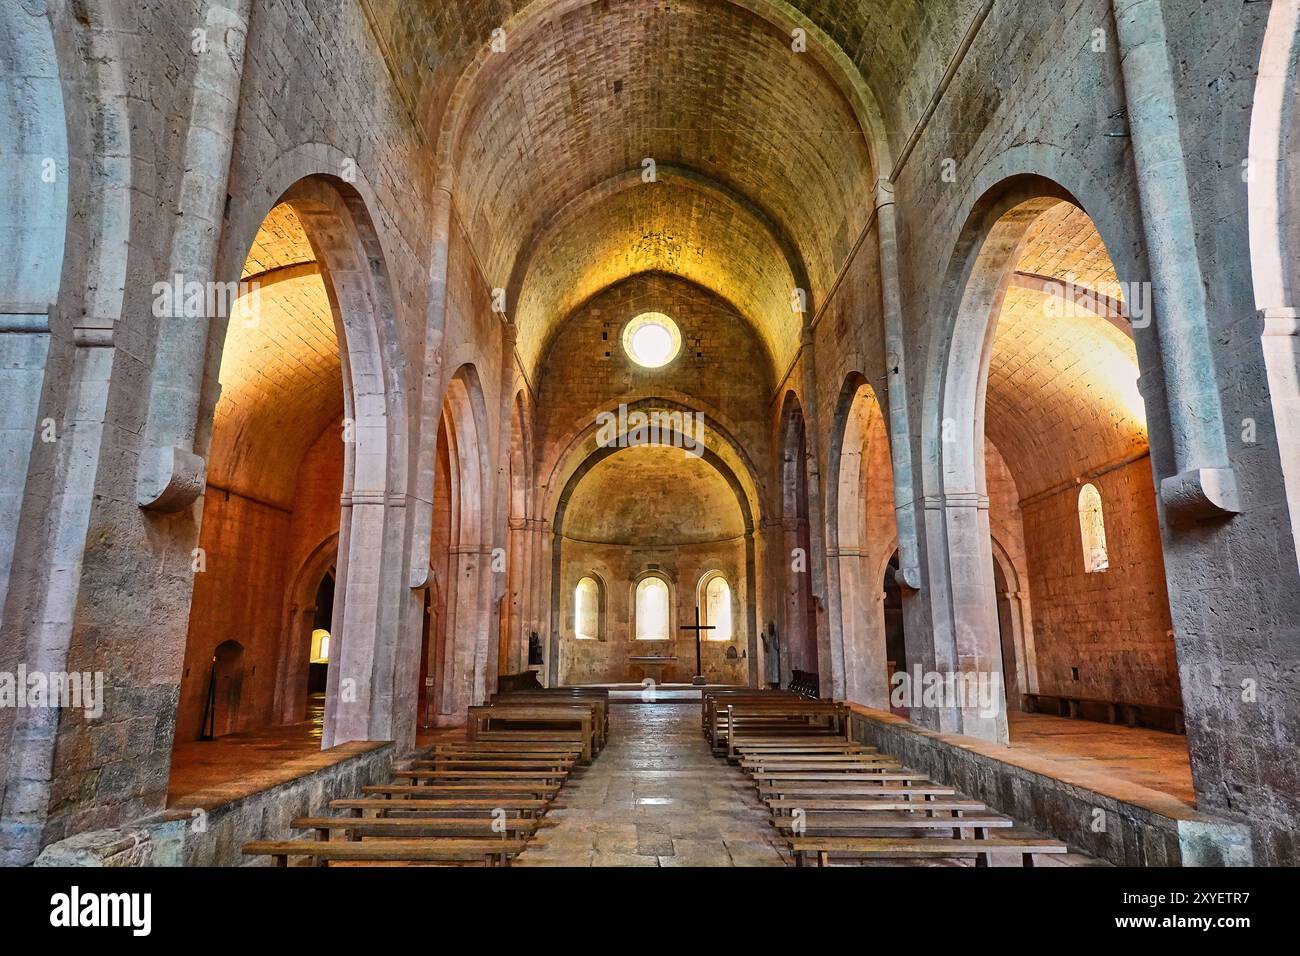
650,534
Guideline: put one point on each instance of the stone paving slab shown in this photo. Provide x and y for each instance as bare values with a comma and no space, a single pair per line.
656,796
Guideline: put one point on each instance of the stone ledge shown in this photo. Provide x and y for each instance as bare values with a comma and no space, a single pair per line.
1143,827
297,768
106,848
210,828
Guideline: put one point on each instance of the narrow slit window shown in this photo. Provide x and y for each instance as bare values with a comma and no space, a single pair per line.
1092,526
586,610
716,605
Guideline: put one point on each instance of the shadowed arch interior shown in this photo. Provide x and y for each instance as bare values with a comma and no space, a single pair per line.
1048,378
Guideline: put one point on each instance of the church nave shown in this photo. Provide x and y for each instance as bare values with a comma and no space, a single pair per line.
394,394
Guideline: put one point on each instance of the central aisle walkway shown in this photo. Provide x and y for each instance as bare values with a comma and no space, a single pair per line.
656,797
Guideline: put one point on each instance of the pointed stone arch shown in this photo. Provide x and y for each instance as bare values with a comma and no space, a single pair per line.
335,218
465,663
861,531
299,614
1108,437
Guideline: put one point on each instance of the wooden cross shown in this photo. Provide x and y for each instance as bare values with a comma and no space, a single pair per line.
698,628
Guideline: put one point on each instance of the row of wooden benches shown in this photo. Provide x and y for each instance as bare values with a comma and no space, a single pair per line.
834,798
477,801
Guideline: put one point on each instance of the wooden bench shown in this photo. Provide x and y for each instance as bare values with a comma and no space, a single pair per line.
1152,716
493,762
384,807
527,680
585,743
507,748
462,789
778,764
710,700
851,790
502,721
819,805
877,848
767,720
505,776
805,683
779,740
863,823
468,801
811,747
487,852
776,778
409,827
714,703
598,696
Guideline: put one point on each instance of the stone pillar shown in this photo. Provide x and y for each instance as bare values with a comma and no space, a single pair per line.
1205,484
896,392
963,606
839,626
538,563
773,564
550,587
432,385
829,661
24,348
171,475
519,550
26,805
751,608
359,681
1280,341
865,656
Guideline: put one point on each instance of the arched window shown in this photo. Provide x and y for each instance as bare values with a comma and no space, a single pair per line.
1092,527
320,646
652,614
715,606
586,609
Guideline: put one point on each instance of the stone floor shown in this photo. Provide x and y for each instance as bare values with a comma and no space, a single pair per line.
1111,759
656,796
236,765
247,762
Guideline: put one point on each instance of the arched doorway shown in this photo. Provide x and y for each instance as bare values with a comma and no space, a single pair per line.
223,703
319,656
891,602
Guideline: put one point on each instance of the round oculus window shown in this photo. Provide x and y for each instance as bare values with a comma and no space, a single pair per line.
652,340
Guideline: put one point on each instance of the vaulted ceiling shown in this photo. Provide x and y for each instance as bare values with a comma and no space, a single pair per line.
1062,384
653,496
281,378
765,157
